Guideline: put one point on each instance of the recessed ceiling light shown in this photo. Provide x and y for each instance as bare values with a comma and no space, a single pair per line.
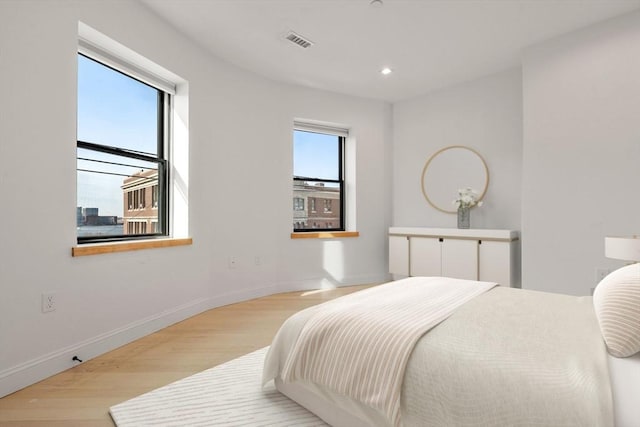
385,71
376,3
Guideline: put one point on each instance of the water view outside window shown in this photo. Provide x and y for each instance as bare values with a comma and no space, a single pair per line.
118,155
317,181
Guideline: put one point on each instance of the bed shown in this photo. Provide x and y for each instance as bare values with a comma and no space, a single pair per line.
503,357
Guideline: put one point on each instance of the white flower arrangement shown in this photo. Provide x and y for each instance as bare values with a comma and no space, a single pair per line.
467,198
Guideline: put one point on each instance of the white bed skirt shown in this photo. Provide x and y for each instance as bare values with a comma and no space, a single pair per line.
326,407
625,387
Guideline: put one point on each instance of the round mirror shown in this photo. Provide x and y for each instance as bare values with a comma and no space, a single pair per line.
450,169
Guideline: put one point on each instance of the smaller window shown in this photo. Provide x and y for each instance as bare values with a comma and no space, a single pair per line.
143,194
298,204
318,176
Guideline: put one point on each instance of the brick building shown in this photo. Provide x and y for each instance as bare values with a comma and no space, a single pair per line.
140,203
315,206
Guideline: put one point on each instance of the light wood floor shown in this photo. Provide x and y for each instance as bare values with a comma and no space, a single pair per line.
82,396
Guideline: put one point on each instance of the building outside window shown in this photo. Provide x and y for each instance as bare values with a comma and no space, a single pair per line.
318,177
123,140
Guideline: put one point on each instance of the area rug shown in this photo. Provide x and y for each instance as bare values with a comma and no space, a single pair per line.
227,395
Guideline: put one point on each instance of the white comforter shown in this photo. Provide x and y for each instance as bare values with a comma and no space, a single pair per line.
359,345
507,358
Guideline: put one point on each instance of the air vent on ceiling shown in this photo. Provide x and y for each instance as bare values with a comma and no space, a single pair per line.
299,40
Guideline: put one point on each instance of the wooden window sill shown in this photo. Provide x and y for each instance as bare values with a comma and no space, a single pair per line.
107,248
325,235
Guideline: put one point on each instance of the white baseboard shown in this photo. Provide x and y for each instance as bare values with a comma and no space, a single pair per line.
32,371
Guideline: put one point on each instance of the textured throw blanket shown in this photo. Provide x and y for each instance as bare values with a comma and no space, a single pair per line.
359,345
511,357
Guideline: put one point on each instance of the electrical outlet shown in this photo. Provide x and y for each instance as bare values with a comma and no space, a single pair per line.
233,262
48,303
257,260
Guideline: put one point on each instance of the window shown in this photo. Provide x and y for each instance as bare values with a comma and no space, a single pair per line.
318,176
298,204
136,199
154,197
122,146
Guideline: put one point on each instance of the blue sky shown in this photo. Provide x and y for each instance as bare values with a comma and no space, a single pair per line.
114,109
315,155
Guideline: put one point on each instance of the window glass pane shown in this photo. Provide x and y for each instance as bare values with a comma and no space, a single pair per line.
315,155
116,110
320,205
113,191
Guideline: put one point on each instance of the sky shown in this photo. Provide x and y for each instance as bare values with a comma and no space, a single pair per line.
315,155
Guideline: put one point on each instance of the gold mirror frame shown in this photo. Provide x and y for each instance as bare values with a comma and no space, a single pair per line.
482,192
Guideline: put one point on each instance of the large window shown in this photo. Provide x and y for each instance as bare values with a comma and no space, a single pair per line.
318,178
122,165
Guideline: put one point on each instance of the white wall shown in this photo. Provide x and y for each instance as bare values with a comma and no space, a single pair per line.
581,153
240,192
484,114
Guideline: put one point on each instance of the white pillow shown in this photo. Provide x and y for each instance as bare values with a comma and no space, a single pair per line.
617,305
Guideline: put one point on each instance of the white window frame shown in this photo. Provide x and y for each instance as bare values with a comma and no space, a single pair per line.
110,52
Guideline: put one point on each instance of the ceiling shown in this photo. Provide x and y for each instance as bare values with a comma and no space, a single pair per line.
429,44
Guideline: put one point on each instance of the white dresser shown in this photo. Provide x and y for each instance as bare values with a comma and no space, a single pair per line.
475,254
